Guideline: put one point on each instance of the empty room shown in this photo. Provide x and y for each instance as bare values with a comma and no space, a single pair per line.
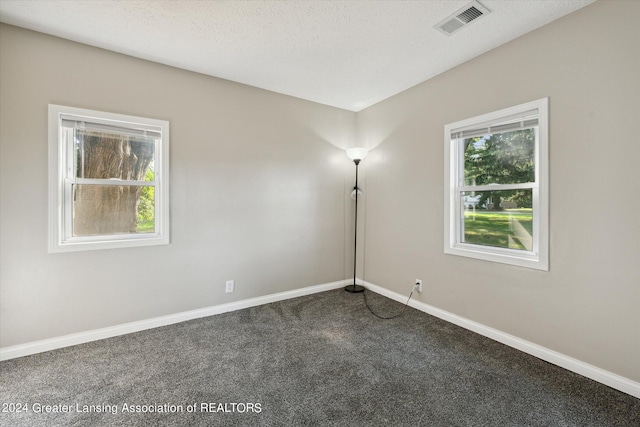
340,213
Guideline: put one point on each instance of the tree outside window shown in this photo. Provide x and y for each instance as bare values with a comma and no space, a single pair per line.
109,178
496,205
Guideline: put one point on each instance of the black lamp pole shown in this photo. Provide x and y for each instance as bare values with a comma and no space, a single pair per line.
355,288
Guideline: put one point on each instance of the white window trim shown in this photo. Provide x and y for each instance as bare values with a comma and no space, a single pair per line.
59,218
538,258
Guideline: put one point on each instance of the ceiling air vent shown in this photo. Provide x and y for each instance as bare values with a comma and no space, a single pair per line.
461,18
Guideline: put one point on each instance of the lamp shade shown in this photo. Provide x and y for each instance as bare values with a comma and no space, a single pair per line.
357,153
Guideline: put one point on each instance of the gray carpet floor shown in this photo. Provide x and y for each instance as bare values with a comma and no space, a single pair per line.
316,360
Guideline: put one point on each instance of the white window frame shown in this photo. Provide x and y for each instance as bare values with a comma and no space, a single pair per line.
62,177
538,257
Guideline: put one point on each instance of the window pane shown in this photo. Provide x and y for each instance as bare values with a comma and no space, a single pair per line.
500,158
113,209
501,219
106,155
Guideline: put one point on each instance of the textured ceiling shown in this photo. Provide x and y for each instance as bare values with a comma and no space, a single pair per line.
348,54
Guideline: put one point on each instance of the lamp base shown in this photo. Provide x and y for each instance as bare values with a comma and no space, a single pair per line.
354,288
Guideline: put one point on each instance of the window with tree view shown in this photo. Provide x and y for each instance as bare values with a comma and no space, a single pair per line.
108,180
497,186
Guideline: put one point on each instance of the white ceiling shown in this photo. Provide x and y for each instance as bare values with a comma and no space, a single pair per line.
348,54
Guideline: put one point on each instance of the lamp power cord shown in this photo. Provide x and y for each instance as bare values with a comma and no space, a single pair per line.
400,313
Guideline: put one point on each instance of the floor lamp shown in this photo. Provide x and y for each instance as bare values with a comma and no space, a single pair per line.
355,154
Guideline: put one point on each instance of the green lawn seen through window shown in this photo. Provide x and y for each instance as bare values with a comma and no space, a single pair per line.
496,228
146,226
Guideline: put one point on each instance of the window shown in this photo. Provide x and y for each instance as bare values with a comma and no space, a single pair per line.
108,180
496,195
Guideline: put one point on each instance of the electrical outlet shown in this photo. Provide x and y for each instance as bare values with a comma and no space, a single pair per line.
419,285
230,285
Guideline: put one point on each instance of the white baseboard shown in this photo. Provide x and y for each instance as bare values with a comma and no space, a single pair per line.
610,379
597,374
26,349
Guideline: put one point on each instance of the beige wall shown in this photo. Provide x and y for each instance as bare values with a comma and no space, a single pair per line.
258,191
587,305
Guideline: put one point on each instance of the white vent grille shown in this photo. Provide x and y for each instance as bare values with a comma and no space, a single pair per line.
461,18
